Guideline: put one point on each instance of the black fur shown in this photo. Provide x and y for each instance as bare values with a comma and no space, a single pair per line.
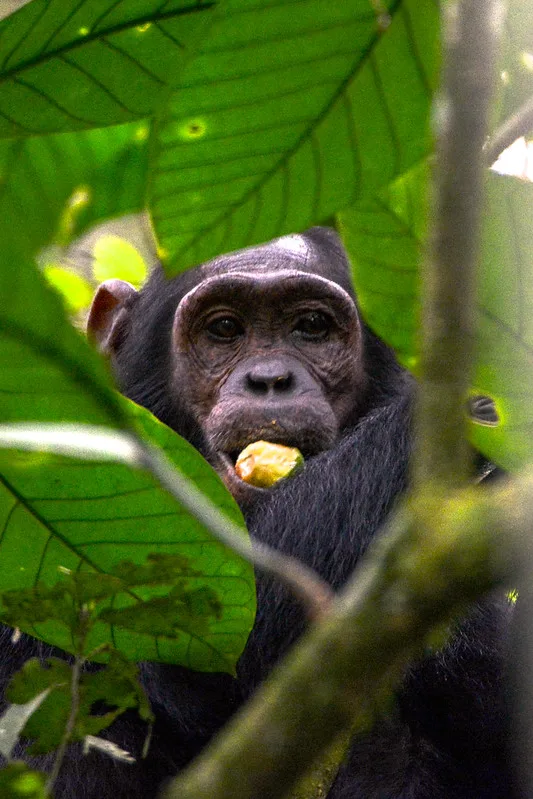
445,739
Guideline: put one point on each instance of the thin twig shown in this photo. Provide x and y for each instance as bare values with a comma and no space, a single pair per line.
71,722
472,35
315,594
100,443
519,124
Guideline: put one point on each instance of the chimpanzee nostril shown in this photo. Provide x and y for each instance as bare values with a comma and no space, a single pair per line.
283,382
266,378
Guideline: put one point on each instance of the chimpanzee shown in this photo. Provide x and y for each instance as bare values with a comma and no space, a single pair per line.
268,343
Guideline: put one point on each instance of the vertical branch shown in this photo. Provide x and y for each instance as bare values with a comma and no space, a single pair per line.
70,725
471,37
84,621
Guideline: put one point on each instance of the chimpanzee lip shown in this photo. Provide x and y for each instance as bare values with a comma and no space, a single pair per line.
232,480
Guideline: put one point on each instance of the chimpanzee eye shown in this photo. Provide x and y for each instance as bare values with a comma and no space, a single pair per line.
313,326
225,327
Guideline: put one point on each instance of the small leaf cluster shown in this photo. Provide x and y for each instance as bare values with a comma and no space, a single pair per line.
102,696
75,600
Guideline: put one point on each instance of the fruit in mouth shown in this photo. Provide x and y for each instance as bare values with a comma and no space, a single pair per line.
263,464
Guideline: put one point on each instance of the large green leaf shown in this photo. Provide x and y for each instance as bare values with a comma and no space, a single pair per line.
384,238
504,368
85,515
39,174
47,370
291,111
57,513
74,64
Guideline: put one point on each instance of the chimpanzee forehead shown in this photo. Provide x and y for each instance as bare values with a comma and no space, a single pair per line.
272,289
295,252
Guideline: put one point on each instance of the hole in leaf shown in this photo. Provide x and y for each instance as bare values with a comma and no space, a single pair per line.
482,410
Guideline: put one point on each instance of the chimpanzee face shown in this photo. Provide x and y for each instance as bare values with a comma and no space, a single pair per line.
255,346
272,357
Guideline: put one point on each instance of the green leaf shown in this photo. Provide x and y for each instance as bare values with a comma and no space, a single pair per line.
384,238
77,292
504,368
47,370
90,516
105,170
116,685
18,781
291,111
115,257
35,677
71,64
59,514
183,609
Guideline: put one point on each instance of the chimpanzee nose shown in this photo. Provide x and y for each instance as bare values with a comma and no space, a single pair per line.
269,377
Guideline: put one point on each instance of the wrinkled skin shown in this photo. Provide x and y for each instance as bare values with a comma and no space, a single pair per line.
268,344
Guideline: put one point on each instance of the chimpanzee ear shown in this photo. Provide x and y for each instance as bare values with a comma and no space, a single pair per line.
109,313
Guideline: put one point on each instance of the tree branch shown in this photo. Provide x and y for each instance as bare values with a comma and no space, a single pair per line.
472,33
519,124
419,575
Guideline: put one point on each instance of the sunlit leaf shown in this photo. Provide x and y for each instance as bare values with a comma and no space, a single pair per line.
291,111
115,257
75,290
71,64
384,238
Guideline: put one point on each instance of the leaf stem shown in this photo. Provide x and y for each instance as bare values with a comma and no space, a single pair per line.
315,594
100,443
77,666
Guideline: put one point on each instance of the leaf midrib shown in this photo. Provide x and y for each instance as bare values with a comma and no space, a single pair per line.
42,58
282,163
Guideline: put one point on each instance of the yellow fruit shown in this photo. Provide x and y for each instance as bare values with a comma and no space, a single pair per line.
262,463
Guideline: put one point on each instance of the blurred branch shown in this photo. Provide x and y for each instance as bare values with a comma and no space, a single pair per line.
436,556
519,124
472,32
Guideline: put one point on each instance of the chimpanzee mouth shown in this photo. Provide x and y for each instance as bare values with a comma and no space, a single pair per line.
231,446
233,456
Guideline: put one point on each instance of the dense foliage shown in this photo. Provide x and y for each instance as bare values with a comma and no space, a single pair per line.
231,122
